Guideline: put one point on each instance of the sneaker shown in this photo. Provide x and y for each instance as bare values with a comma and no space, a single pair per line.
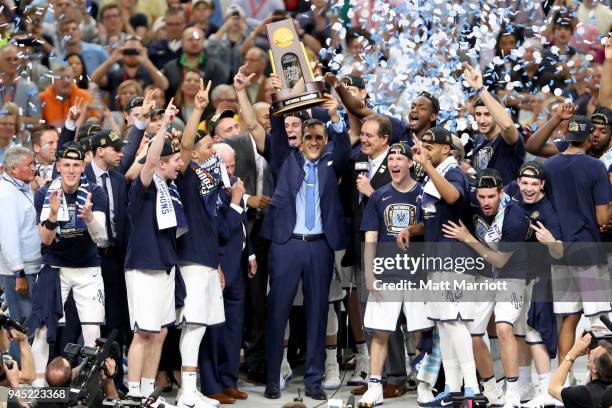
513,400
494,394
160,402
285,375
527,391
206,400
424,393
443,399
411,383
372,397
332,376
541,400
362,366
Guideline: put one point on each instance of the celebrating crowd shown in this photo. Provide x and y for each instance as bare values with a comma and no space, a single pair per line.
148,186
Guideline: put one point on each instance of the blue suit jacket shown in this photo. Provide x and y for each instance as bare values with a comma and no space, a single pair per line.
119,184
288,164
231,238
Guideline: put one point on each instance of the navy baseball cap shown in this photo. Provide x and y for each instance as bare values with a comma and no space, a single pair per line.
168,150
434,101
602,116
106,138
578,128
212,123
88,130
535,168
71,150
401,148
438,135
488,178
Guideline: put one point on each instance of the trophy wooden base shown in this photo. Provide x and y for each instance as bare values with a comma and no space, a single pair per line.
294,103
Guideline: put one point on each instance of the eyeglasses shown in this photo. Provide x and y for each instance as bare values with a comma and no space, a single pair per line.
62,77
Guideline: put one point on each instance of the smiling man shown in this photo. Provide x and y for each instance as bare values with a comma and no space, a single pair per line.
305,223
498,145
501,228
71,213
390,209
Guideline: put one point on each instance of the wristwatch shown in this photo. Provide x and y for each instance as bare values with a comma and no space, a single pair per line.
569,358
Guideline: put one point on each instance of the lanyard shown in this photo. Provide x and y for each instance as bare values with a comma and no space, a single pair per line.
256,10
20,190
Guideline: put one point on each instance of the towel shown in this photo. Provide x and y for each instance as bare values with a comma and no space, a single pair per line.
168,207
63,215
213,176
431,194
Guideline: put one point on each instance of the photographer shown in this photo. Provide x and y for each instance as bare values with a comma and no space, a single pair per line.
60,374
600,368
10,373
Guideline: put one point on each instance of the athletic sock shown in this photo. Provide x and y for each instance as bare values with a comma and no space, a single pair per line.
189,381
147,386
134,388
544,382
525,374
362,348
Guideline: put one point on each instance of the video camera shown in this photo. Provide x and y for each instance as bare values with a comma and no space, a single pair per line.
86,389
601,334
8,323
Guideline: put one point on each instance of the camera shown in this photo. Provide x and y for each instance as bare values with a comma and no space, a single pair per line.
8,323
598,335
130,51
86,388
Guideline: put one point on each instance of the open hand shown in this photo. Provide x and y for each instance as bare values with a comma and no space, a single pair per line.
472,76
241,79
85,211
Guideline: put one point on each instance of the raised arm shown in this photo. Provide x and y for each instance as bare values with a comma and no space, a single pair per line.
538,143
448,192
136,133
247,113
605,87
100,75
502,118
352,103
191,128
156,75
156,145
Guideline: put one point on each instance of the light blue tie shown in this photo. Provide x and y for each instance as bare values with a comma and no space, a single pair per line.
311,179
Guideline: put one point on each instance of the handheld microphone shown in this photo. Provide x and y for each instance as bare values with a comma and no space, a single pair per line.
361,168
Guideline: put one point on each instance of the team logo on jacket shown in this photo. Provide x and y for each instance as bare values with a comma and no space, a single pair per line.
483,158
398,216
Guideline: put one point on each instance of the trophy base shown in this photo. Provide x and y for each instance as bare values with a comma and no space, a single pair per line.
294,103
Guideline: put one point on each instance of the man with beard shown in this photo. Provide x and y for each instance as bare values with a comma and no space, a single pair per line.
498,145
543,243
578,187
601,121
501,228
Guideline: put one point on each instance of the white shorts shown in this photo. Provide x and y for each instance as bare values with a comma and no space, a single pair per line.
383,316
346,273
88,292
150,296
204,297
447,306
569,289
520,326
507,305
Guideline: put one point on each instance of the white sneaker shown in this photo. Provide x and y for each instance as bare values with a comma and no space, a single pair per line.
161,402
513,400
372,397
195,400
362,367
285,374
494,394
424,393
332,376
528,391
541,400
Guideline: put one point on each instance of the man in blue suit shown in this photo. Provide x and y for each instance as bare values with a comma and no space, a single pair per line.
112,157
305,223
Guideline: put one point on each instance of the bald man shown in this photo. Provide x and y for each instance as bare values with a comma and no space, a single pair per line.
193,57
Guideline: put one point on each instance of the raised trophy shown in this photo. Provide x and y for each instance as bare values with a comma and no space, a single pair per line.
289,61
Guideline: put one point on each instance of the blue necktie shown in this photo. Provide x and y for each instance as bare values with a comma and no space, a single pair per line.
311,179
109,230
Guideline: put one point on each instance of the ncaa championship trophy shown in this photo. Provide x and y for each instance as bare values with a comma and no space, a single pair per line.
289,61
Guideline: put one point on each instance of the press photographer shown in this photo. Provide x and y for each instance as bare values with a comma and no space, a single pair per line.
13,374
92,380
600,369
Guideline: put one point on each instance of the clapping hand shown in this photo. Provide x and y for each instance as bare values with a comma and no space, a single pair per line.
85,211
